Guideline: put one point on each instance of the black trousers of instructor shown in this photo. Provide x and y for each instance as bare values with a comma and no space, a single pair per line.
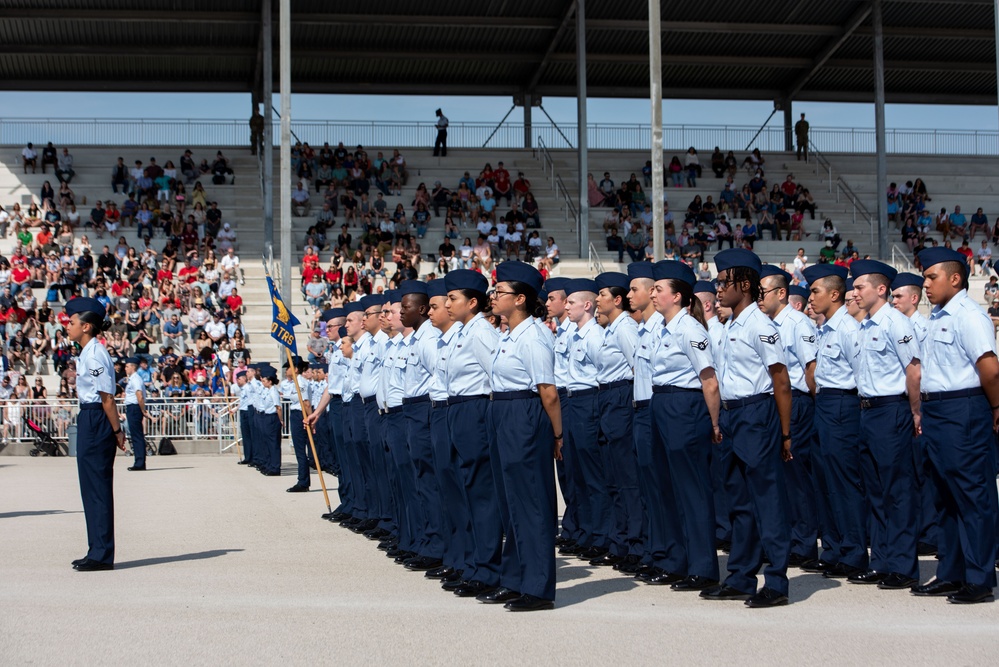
440,144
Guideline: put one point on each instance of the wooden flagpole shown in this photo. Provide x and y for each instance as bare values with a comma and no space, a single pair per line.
308,431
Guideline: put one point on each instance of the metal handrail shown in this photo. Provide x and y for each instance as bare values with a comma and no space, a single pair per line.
842,186
821,161
900,259
558,185
593,260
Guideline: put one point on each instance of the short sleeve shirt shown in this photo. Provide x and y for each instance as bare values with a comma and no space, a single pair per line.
751,345
94,373
887,345
959,334
525,358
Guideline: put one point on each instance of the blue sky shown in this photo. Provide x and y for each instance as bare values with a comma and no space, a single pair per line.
492,109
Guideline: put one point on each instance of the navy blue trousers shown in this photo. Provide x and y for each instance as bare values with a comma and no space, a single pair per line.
380,480
321,436
593,499
470,457
842,503
754,480
962,453
300,443
648,485
334,432
800,482
455,525
360,452
267,439
525,444
666,547
888,463
339,419
929,502
247,418
428,495
133,413
95,451
566,483
627,510
402,478
722,504
684,428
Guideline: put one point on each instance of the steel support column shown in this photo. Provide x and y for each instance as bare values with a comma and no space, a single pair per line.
879,126
267,149
284,31
788,125
528,108
583,233
656,99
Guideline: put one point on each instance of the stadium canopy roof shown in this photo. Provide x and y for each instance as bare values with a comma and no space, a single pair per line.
936,51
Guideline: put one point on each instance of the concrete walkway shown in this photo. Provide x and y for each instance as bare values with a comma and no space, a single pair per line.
218,565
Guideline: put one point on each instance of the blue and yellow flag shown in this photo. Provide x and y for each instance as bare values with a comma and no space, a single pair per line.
283,326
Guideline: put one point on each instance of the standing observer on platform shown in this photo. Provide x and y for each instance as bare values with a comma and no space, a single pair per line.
99,432
135,410
440,144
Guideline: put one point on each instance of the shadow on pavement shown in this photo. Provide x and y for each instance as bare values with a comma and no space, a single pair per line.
13,515
174,468
200,555
567,570
567,597
804,586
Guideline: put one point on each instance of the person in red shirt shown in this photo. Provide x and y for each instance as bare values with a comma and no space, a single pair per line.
788,187
310,256
189,273
965,250
189,238
163,274
501,183
20,277
311,269
234,301
521,186
44,237
120,287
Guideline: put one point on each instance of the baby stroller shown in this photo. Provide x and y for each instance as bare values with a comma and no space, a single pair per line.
45,444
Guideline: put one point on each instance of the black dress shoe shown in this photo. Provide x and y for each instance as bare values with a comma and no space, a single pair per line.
388,544
936,588
767,597
472,589
971,594
723,545
924,549
592,553
365,526
438,572
272,473
869,577
571,549
529,603
424,564
136,467
646,571
841,571
454,576
815,565
79,561
93,566
395,553
723,592
630,565
378,534
404,556
242,463
664,578
563,541
350,522
896,582
298,488
694,583
498,596
338,515
606,559
452,586
796,560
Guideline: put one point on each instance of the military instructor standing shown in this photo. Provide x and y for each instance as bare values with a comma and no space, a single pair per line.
440,144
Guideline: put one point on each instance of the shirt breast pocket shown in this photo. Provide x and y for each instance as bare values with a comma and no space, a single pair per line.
643,352
944,351
876,347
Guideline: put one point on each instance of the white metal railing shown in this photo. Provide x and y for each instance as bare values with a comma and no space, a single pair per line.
609,136
821,164
569,210
900,259
593,262
858,206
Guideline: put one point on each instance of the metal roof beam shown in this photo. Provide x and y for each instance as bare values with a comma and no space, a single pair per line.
828,51
543,63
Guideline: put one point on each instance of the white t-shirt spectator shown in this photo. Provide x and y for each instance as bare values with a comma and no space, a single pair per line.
514,237
501,229
984,254
229,263
29,153
484,226
215,329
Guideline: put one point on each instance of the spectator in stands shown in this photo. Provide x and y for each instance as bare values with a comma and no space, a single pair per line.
502,187
222,171
29,158
300,203
594,193
675,169
979,223
919,190
983,259
522,186
718,162
692,166
958,224
634,243
531,212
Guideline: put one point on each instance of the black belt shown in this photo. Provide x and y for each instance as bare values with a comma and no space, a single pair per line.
390,411
944,395
438,404
367,399
797,393
455,400
581,392
641,405
671,389
416,399
877,401
356,399
562,392
335,396
512,395
616,384
91,406
749,400
833,391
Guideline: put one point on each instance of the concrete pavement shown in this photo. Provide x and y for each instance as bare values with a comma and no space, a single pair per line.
217,564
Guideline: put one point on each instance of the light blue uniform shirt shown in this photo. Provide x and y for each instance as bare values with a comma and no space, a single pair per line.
584,354
370,366
887,345
563,340
349,389
287,389
648,331
438,387
716,332
798,337
270,399
838,345
336,371
525,358
751,345
921,325
681,350
618,357
94,373
959,334
471,358
316,389
421,358
245,397
134,387
256,393
394,370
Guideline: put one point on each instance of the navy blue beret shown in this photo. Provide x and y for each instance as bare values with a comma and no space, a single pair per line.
737,257
556,284
820,271
581,285
333,313
392,296
640,270
82,304
862,267
705,287
412,287
907,280
613,279
520,272
774,270
342,332
240,374
315,366
543,296
931,256
466,279
436,288
849,284
372,300
297,360
133,360
670,269
353,307
798,290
